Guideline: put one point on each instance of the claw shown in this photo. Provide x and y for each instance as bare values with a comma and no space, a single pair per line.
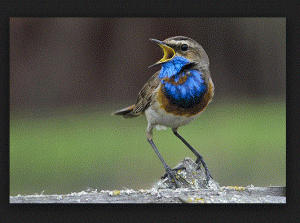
171,176
181,167
198,166
200,159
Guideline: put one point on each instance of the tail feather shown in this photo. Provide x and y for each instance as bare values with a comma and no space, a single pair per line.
126,112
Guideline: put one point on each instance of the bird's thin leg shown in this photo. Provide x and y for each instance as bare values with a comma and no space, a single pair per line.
199,157
169,171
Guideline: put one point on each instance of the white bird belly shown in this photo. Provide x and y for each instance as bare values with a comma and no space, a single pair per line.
158,117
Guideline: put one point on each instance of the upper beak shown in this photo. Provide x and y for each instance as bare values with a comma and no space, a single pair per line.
169,53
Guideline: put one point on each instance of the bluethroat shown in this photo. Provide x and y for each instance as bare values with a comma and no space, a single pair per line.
175,95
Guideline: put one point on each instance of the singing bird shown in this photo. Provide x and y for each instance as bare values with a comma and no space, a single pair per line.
175,95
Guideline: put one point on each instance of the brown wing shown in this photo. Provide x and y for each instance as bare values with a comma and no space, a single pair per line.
145,95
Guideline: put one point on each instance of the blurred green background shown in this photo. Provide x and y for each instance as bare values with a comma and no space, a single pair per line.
67,75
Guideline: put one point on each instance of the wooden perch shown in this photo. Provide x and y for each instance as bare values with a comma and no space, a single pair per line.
192,188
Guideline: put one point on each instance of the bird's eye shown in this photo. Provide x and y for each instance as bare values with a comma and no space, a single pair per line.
184,47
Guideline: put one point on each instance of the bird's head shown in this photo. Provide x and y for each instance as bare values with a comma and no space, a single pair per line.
182,47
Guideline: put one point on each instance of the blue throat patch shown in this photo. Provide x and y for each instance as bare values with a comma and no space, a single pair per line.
187,93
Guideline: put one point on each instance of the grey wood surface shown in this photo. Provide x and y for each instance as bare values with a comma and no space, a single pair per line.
191,187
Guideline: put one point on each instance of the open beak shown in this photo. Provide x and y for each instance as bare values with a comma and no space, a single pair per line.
169,53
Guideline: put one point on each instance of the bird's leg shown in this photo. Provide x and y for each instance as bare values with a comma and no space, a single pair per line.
170,173
199,157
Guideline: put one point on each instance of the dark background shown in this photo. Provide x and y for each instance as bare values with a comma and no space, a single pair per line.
68,74
63,61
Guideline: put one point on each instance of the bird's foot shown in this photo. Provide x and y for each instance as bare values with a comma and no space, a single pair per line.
174,170
200,162
172,176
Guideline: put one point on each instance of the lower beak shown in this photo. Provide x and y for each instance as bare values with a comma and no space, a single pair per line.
169,53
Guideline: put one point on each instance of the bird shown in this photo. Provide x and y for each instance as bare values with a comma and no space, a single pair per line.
176,94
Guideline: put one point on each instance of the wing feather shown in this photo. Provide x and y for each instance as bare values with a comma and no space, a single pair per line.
146,94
